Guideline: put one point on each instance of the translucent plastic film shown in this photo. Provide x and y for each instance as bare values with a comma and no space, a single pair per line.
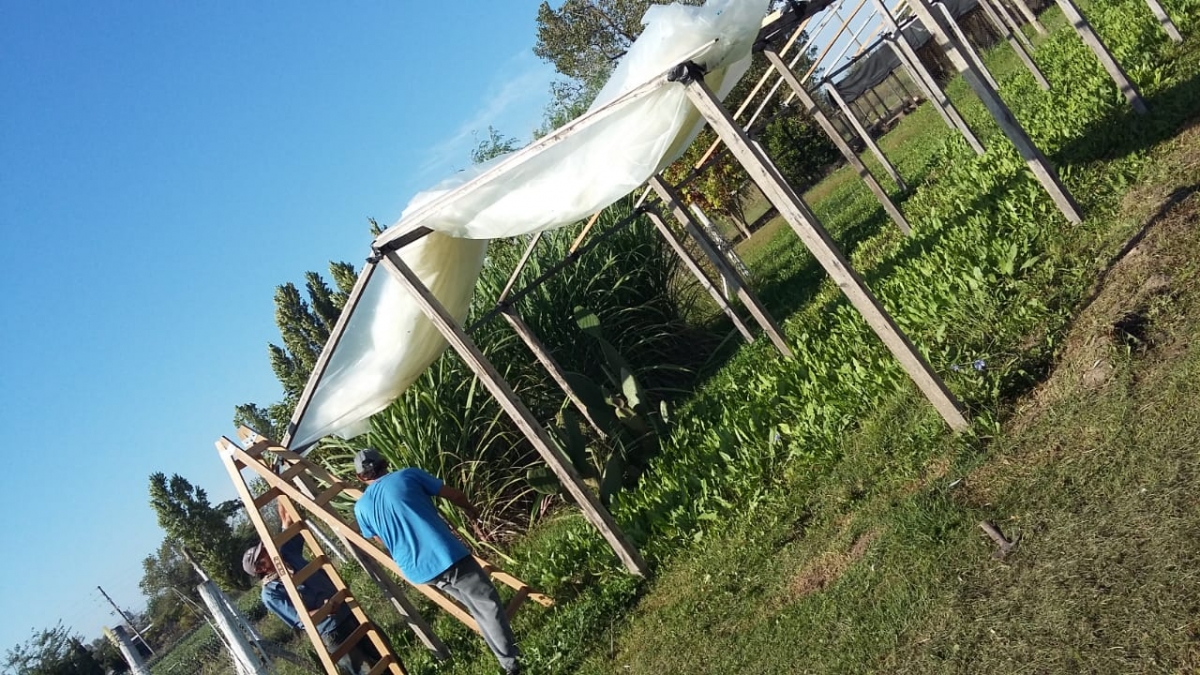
637,126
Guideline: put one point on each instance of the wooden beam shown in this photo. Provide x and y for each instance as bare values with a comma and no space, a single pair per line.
1017,45
707,284
906,53
335,338
865,136
596,514
1034,159
544,357
1030,17
1093,41
822,121
964,44
1165,21
933,94
733,278
812,233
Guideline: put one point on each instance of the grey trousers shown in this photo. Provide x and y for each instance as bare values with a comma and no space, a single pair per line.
466,582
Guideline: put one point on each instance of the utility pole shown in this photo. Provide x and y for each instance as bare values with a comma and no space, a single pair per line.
128,621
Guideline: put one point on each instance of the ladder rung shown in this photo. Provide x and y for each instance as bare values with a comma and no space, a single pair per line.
515,603
310,569
329,493
257,449
266,497
286,536
352,640
384,664
319,614
291,473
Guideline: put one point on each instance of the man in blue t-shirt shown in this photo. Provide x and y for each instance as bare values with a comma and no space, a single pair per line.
397,511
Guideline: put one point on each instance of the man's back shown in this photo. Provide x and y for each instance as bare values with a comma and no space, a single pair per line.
398,508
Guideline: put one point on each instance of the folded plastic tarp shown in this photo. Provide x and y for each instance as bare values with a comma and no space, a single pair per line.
639,123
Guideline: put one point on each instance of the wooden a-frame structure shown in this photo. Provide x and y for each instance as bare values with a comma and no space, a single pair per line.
302,486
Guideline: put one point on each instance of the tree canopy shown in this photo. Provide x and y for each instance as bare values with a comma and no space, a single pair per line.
52,651
187,517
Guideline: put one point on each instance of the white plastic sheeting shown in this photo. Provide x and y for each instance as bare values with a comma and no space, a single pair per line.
637,126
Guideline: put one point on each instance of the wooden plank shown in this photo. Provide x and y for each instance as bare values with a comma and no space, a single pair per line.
1164,21
932,94
1034,159
265,498
512,278
865,136
809,229
351,641
1007,16
707,284
852,157
315,565
964,44
932,88
1029,16
596,514
1093,41
226,449
331,605
547,360
1017,45
513,605
733,278
286,535
385,664
335,338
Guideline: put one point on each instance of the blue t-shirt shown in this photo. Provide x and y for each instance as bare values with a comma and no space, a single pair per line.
399,510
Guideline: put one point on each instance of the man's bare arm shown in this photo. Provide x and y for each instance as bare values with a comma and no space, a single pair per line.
459,499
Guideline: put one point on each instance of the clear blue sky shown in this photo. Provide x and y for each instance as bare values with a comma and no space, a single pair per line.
163,166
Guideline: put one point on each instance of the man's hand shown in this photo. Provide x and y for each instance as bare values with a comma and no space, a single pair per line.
456,497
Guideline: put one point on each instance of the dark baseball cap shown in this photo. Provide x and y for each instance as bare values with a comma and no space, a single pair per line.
367,460
250,559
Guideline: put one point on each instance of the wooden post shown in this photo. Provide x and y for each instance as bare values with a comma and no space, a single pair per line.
705,283
596,514
968,50
932,94
544,357
906,53
1007,30
1105,57
822,121
866,137
1034,159
812,233
734,280
1029,16
1164,21
1007,15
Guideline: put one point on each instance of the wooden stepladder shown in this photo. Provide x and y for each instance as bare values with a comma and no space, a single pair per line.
388,662
320,489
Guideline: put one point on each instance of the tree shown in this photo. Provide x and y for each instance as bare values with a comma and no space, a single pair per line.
305,326
52,651
493,146
185,514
